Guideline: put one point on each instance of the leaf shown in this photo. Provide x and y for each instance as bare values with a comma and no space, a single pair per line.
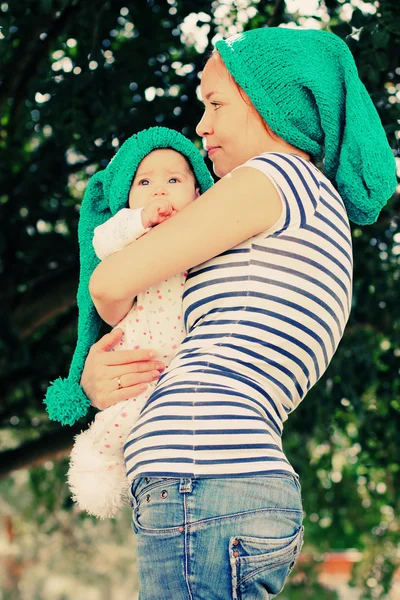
358,19
341,29
4,26
380,59
46,5
380,39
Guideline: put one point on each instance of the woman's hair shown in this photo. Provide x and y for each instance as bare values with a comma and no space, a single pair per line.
216,57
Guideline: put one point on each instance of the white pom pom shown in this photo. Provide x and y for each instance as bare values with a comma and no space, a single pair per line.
98,483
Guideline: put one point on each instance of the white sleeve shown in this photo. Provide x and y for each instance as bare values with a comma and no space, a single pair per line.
297,183
120,230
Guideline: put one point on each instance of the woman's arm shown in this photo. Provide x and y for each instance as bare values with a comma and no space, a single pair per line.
239,206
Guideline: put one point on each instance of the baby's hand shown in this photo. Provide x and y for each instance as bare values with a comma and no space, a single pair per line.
156,212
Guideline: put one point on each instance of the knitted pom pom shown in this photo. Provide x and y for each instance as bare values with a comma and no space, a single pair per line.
66,412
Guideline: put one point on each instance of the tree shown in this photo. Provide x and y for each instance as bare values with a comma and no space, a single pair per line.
78,78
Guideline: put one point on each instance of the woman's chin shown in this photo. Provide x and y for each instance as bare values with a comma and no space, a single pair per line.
219,170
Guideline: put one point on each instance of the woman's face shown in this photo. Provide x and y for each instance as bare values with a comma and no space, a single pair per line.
232,130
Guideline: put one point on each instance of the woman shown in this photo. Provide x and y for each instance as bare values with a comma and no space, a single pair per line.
217,506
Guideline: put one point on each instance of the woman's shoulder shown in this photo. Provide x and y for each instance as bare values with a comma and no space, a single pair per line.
309,199
288,163
297,182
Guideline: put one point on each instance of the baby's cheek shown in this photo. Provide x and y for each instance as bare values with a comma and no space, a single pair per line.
137,197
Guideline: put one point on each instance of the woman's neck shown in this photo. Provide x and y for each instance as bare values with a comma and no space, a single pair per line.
285,147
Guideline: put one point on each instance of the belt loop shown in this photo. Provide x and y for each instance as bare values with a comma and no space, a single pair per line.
185,484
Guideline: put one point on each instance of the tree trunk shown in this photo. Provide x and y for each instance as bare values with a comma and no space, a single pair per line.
50,446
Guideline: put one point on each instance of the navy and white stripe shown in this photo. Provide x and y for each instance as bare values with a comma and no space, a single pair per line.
263,321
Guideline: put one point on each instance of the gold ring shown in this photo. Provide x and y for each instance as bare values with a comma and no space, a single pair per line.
119,383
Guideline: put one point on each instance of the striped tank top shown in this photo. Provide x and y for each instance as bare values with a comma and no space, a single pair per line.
263,321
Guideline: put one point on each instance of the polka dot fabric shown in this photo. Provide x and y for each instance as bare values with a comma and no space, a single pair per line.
155,322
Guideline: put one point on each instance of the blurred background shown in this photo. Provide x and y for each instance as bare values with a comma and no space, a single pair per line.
78,78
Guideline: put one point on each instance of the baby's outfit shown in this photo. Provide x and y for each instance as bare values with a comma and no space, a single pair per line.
155,321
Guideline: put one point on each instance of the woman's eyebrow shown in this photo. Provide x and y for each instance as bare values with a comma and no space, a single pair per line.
208,96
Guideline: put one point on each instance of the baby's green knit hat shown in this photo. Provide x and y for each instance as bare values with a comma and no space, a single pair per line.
106,193
305,84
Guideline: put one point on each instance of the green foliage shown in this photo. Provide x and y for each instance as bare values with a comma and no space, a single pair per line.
74,80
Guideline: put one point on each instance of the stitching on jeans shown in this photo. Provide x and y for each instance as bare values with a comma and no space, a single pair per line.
186,547
244,514
169,480
152,486
233,567
288,549
212,519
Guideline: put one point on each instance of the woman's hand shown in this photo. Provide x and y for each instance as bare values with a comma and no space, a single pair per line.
134,368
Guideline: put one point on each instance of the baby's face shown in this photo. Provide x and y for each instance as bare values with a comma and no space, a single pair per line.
163,173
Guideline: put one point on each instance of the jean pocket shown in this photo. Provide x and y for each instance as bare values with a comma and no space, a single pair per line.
260,566
297,483
143,485
132,502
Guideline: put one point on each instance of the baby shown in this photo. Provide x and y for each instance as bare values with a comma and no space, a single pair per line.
163,185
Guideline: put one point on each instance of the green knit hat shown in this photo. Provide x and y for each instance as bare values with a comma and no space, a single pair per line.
106,193
305,85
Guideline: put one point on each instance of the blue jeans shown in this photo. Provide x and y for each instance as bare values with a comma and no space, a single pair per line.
228,538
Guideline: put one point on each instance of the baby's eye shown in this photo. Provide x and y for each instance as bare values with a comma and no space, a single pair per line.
144,182
173,180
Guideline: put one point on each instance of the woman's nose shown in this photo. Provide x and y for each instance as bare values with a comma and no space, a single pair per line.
204,127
